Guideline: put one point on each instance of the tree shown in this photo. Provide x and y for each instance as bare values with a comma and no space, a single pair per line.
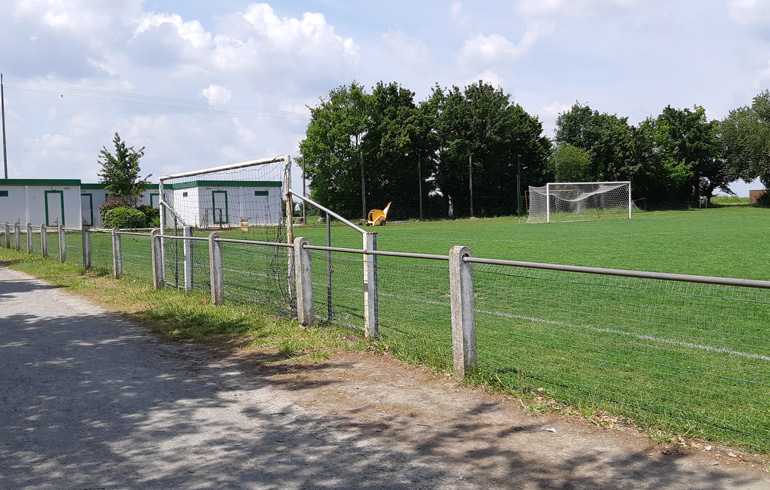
606,137
570,164
745,139
120,172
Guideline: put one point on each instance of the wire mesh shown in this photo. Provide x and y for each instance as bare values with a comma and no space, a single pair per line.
74,243
338,291
136,257
101,252
693,358
259,275
52,243
414,309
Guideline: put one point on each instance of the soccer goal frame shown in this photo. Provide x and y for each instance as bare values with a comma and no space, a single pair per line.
216,183
578,200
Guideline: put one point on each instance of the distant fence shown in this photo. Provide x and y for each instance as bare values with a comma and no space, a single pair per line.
690,354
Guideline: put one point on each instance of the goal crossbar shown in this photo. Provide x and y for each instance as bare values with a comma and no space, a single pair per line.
576,198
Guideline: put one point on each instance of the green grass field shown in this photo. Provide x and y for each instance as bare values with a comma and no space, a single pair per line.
687,358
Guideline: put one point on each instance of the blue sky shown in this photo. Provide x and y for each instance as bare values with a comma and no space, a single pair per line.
204,83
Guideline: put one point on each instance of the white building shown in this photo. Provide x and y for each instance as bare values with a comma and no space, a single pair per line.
218,203
50,202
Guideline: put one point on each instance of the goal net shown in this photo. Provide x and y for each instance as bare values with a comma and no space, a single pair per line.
247,195
579,201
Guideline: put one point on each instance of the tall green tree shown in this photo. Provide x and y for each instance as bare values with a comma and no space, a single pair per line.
570,164
745,139
606,137
333,148
120,171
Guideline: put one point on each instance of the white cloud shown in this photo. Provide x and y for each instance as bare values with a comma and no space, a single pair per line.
749,12
217,95
192,32
406,49
570,8
483,50
458,15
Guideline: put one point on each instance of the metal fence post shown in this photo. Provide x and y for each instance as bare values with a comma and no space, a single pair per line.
17,236
187,252
62,245
86,248
158,275
43,241
371,297
463,311
7,235
304,277
215,266
117,254
29,238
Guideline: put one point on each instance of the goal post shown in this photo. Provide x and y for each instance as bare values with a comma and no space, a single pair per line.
579,201
247,195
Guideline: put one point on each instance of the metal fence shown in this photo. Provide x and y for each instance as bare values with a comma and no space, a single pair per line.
688,354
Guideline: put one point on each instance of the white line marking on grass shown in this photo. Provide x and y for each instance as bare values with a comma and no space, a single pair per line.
679,343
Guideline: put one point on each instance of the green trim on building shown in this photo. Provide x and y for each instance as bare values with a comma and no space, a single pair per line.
226,218
224,183
40,182
104,186
90,206
61,197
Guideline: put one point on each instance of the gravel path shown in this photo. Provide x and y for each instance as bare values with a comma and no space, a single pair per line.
89,400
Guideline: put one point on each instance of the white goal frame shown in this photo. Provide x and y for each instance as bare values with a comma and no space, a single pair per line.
286,183
551,186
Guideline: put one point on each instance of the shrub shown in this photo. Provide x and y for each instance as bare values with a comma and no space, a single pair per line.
764,200
113,202
151,215
124,217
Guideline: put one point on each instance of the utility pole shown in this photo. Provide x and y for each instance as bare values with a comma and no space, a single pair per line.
2,103
518,187
419,181
363,179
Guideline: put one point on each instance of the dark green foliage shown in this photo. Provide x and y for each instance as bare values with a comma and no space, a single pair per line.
764,200
113,202
151,215
121,171
124,218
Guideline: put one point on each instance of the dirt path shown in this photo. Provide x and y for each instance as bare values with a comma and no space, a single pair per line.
88,400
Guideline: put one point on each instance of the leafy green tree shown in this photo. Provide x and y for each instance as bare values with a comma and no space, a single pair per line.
333,148
745,139
570,164
120,172
606,137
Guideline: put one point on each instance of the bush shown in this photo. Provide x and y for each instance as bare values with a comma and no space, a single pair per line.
113,202
764,200
151,215
124,217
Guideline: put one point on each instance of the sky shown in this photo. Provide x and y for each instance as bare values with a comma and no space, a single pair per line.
202,83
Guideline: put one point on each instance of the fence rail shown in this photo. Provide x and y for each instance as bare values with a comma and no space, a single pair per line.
684,353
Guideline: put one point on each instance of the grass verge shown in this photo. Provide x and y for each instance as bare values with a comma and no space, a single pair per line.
190,316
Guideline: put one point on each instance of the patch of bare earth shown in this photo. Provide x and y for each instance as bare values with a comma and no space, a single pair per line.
495,439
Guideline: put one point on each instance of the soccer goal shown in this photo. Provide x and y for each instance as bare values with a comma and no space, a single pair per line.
579,201
247,195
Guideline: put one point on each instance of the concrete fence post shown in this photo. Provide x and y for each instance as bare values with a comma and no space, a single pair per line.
17,236
158,274
187,251
62,244
86,236
304,282
7,235
29,238
371,296
43,241
215,266
117,254
463,311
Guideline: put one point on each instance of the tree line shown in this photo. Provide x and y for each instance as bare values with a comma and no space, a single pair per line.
468,152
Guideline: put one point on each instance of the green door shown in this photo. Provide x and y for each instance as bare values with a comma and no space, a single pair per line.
54,208
87,209
220,211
